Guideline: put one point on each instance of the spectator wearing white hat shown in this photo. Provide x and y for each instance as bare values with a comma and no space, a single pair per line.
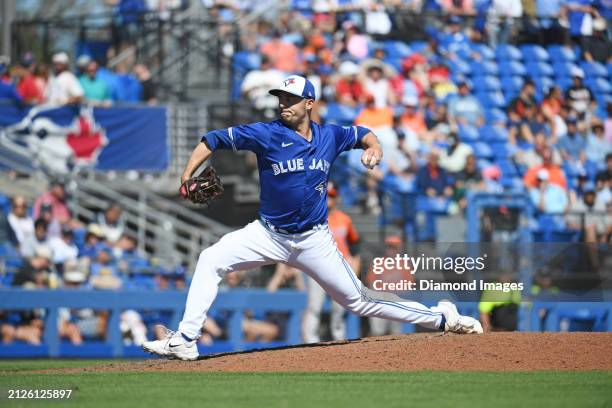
547,197
64,87
579,97
349,89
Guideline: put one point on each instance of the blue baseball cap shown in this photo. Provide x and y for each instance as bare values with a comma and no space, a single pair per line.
296,85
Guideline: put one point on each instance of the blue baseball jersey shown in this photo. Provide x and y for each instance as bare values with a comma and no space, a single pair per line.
293,172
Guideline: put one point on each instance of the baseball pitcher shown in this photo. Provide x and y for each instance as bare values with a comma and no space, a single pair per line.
294,156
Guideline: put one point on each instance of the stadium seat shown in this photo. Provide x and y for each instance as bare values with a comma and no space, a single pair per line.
563,69
507,168
5,204
512,83
594,69
483,151
483,50
563,82
507,52
560,53
467,133
484,68
491,99
510,68
459,67
495,115
543,84
532,52
396,49
538,68
339,114
598,85
493,134
486,83
418,46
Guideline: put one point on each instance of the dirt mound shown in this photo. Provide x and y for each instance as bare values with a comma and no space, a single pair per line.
491,352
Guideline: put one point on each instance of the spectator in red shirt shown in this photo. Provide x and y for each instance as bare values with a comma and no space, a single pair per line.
349,90
56,198
26,85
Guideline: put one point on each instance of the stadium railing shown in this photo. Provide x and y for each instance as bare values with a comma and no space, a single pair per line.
235,301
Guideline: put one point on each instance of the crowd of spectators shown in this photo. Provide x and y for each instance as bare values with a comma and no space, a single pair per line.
31,82
44,246
465,109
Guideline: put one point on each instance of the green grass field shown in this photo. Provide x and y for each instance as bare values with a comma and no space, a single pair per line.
320,390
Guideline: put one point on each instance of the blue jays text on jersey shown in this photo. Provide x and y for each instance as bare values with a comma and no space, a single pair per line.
293,172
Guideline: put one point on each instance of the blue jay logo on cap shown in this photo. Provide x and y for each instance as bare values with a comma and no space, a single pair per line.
296,85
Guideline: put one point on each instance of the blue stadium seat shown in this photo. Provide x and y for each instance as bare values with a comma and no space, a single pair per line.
242,63
507,52
397,49
339,114
594,69
467,133
5,204
494,134
483,50
560,53
483,163
510,68
495,115
563,82
512,83
538,68
486,83
459,67
484,68
483,151
543,84
564,69
532,52
506,166
491,99
598,85
418,46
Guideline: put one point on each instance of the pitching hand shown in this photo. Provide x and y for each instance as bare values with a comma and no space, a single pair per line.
371,157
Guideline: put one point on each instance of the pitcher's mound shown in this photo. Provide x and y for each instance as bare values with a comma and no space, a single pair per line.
493,351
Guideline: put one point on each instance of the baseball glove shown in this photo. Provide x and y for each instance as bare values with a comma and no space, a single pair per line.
202,189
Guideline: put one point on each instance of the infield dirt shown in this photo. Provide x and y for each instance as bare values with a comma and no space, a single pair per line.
409,352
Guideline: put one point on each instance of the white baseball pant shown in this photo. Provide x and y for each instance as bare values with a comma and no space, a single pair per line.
313,252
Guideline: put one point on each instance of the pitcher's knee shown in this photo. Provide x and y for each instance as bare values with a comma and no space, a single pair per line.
209,260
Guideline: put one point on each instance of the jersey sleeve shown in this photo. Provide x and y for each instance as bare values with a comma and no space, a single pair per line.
252,137
349,137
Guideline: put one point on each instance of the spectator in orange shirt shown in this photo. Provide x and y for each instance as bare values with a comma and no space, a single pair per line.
347,240
284,55
552,103
412,118
373,117
555,173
